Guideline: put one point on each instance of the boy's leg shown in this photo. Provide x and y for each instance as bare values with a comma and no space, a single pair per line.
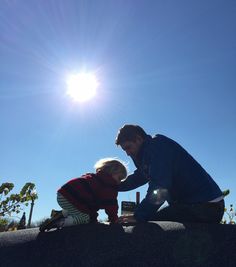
72,215
68,216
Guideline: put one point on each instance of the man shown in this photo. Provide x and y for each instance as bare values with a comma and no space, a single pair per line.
173,175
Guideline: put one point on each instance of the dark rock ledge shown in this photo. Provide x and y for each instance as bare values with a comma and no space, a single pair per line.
150,244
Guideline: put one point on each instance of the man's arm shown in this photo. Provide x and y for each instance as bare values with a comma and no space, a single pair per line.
132,181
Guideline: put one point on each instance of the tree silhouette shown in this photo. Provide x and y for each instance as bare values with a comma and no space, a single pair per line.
12,203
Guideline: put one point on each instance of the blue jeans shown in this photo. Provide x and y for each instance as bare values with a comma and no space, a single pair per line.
209,212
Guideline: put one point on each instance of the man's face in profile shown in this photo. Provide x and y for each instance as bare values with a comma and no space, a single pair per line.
132,147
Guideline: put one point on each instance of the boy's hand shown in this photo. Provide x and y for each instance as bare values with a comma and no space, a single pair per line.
126,219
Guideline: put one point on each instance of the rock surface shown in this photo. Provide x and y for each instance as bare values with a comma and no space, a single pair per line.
150,244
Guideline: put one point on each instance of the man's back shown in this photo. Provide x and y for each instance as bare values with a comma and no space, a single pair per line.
171,165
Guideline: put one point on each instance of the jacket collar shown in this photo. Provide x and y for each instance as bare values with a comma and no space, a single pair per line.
145,144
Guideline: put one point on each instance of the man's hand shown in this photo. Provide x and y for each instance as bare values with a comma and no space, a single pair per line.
126,219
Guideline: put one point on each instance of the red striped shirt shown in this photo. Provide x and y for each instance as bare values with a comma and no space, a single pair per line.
92,192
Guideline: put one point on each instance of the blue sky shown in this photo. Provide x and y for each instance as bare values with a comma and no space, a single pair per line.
168,66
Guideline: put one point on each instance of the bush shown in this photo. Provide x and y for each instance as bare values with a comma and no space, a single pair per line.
13,203
229,215
3,224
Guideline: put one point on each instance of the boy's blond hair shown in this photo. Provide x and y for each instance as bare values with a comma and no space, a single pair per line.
111,166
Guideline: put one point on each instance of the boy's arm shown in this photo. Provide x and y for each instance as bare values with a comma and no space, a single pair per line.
112,212
132,181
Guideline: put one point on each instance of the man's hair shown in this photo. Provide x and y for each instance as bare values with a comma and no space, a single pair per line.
111,166
129,132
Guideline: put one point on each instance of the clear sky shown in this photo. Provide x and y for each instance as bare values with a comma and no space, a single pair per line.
169,66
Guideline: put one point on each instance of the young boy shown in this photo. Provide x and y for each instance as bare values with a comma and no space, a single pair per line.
81,198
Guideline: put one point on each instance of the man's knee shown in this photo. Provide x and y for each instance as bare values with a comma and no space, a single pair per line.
140,216
145,211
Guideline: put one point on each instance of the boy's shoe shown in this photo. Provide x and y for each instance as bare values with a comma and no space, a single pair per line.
54,212
56,221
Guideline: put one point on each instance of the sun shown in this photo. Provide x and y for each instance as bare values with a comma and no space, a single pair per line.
82,87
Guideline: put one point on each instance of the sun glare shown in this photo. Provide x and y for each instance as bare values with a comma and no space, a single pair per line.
82,86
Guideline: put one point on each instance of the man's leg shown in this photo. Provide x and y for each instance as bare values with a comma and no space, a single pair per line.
203,213
175,213
145,211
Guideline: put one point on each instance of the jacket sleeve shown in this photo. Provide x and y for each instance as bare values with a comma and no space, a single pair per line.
132,181
160,173
161,165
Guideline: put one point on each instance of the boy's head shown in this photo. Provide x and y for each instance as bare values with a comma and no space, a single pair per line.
113,167
130,138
